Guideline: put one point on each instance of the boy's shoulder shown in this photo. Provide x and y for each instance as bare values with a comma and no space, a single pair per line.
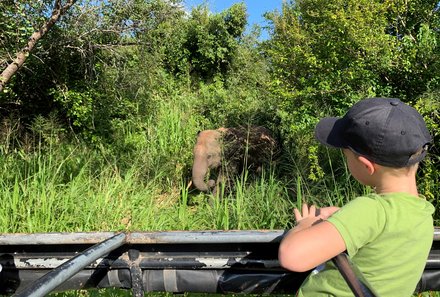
389,200
380,208
379,217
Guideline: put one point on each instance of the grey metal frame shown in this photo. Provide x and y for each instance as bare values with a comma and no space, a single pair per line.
172,261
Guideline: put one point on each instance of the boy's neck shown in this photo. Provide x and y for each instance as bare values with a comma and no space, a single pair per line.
389,182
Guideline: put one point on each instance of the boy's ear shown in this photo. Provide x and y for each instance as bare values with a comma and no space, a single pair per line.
370,166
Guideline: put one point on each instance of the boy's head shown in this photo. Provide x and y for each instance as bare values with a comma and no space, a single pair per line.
384,130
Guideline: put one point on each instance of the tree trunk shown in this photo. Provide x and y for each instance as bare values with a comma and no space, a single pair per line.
22,55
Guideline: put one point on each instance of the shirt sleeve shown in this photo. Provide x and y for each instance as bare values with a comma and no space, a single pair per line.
359,222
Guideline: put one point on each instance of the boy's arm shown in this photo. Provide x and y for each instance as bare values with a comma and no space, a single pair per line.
311,242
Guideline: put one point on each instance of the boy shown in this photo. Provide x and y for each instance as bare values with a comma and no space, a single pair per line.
388,234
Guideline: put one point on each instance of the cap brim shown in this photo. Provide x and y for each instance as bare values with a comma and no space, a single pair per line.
329,131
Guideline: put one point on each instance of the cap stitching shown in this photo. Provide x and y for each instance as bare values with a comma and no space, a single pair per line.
378,143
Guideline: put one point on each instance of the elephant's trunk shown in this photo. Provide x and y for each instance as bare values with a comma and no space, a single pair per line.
199,170
207,155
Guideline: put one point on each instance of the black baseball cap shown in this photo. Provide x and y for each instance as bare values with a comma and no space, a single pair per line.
384,130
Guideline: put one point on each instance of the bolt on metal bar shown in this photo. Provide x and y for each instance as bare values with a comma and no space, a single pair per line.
57,276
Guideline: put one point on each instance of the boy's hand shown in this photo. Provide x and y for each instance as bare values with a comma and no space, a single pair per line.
312,241
326,212
306,212
311,215
306,218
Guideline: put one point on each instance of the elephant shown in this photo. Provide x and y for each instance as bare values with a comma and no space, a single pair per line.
227,151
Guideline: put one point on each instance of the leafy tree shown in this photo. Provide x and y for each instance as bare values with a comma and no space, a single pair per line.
204,45
326,55
69,71
114,69
415,25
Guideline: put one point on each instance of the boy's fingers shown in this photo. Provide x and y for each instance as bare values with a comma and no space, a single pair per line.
305,210
297,214
312,210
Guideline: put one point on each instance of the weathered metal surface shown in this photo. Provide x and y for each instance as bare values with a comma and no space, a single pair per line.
181,237
433,261
172,261
184,237
150,260
135,273
54,238
214,258
189,237
436,233
57,276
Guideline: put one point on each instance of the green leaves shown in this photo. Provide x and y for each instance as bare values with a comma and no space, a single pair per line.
205,44
326,55
336,52
79,106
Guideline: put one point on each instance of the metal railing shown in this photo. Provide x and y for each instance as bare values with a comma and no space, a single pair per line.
175,261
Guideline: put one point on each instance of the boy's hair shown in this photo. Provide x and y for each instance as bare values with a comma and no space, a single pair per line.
384,130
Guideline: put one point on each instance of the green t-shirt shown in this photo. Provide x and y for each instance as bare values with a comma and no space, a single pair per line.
388,237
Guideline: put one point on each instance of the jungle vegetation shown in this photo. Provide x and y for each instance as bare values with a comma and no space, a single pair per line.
97,125
101,102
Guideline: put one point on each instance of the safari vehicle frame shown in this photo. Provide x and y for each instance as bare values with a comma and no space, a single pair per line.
175,261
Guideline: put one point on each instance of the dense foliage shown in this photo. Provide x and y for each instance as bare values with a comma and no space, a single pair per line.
326,55
132,81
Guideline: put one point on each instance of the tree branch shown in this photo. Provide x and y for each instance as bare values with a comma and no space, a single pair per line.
22,55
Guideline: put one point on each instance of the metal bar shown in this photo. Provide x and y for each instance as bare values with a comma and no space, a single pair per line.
437,233
186,259
355,281
136,281
136,273
54,238
158,261
152,261
181,237
57,276
191,237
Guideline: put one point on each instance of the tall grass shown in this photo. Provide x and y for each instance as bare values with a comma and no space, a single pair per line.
141,181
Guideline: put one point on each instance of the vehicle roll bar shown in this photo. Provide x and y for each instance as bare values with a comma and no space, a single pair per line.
174,261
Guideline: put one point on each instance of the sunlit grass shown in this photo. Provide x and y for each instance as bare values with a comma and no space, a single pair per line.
141,182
